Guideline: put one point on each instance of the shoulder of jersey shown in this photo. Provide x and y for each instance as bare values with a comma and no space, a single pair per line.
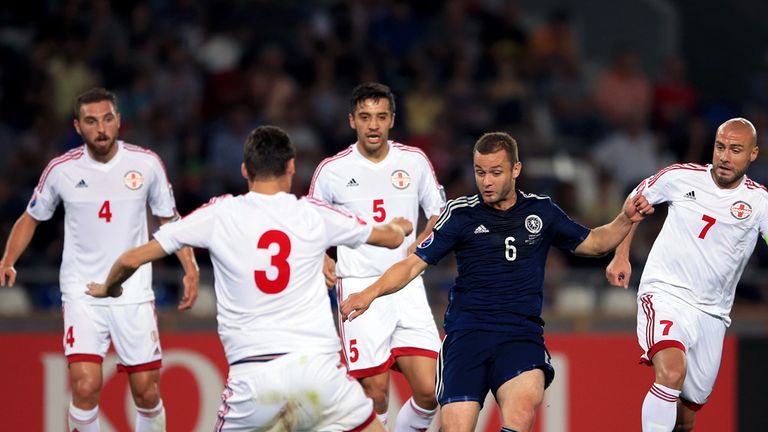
71,155
457,207
332,160
677,170
753,185
409,150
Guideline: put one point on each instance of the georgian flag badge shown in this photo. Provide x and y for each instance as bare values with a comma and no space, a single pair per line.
400,179
741,210
133,180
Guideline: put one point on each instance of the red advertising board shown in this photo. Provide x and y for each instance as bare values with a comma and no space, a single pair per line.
599,386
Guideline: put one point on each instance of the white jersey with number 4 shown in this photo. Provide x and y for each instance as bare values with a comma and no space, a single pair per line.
378,192
105,214
707,238
267,254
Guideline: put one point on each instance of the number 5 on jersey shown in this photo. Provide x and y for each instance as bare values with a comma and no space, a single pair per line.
105,212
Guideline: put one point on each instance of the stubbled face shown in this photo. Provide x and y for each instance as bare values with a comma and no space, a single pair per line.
495,177
372,121
98,125
734,150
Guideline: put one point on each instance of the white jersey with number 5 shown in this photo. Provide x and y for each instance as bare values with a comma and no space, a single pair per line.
707,238
267,254
105,214
378,192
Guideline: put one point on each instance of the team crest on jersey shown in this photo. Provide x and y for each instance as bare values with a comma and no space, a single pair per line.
33,201
427,241
741,210
533,224
133,180
400,179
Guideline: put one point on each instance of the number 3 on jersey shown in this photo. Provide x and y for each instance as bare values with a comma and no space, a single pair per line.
104,212
278,260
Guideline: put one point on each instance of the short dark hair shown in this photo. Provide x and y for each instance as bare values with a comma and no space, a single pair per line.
94,95
492,142
371,90
266,152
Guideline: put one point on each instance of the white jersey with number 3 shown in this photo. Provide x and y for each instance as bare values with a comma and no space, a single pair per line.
105,214
267,254
378,192
707,238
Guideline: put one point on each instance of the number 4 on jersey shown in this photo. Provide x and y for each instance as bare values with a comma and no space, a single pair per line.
104,212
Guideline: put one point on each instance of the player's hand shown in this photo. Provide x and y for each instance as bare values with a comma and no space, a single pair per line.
329,271
191,283
355,305
100,290
7,275
618,272
637,208
403,223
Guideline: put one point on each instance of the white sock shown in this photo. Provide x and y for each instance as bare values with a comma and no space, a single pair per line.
151,419
383,417
83,420
413,417
660,409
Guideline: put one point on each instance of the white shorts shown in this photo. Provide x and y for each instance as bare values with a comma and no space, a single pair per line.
396,325
665,321
295,392
132,328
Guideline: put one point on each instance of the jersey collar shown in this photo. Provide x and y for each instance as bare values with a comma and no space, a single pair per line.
104,166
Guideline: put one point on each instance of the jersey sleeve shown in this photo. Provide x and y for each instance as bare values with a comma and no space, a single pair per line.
341,227
320,188
195,229
656,188
45,197
431,193
160,199
567,234
443,238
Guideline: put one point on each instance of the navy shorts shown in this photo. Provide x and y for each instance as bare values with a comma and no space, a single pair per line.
472,362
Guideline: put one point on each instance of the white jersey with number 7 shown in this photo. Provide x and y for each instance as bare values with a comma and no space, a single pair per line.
105,214
707,238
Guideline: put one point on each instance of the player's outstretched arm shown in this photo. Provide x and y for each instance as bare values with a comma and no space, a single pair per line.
125,266
392,234
18,240
619,270
191,279
393,280
329,271
605,238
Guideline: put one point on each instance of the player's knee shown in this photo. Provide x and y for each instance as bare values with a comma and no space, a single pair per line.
425,399
86,388
147,396
671,376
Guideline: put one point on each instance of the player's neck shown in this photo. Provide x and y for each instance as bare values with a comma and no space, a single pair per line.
270,187
377,155
103,158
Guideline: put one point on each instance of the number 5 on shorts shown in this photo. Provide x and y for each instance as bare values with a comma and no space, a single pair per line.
354,354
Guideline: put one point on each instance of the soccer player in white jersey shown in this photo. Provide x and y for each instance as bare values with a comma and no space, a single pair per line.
105,186
274,315
378,179
716,214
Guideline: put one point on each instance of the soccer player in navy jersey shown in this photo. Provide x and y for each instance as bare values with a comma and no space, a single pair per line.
494,331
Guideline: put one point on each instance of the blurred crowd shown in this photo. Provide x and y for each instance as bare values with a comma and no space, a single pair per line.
194,77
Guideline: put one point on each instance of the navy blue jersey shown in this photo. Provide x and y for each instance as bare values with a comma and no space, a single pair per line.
501,257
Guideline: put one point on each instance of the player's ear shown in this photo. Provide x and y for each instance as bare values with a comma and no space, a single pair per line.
517,168
352,120
244,171
76,124
753,155
392,122
290,168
